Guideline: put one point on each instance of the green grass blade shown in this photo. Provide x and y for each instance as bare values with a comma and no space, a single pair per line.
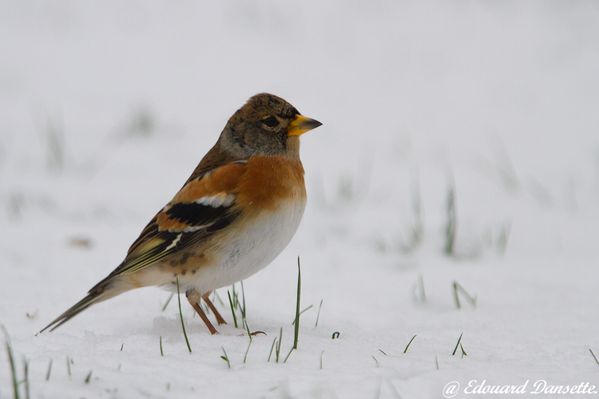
409,343
225,357
181,316
457,345
274,341
318,314
232,309
11,362
49,371
168,301
297,305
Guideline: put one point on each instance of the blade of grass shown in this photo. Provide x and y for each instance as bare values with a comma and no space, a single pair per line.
225,357
11,363
13,371
278,346
297,304
450,227
245,356
55,154
421,289
242,307
181,316
375,361
250,337
463,351
504,236
594,357
469,298
88,377
216,297
161,350
458,289
49,371
235,297
318,314
168,301
416,229
457,345
26,378
289,354
409,343
247,329
456,297
302,312
69,366
274,341
232,309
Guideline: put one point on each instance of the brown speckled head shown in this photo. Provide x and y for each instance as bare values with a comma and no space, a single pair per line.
264,126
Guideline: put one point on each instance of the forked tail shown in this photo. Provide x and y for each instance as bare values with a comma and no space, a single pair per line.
104,290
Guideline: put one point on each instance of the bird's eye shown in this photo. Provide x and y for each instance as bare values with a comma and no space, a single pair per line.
270,121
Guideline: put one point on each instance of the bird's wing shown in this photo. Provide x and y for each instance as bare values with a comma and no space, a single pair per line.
203,206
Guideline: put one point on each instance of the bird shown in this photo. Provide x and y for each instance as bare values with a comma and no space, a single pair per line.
237,211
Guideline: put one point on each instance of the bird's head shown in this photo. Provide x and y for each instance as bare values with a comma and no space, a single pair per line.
266,125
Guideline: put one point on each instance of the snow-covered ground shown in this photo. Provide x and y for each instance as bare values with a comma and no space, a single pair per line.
105,108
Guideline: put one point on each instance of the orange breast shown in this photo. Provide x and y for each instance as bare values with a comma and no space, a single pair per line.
269,180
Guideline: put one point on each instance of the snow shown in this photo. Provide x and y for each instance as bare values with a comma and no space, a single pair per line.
105,108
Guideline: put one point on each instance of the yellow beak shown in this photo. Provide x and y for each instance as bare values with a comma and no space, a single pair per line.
301,125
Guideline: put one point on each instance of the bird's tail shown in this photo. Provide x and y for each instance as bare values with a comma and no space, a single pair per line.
99,293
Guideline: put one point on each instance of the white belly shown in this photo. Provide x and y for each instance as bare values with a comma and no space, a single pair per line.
251,249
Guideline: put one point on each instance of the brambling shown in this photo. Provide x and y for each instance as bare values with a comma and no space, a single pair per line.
237,211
